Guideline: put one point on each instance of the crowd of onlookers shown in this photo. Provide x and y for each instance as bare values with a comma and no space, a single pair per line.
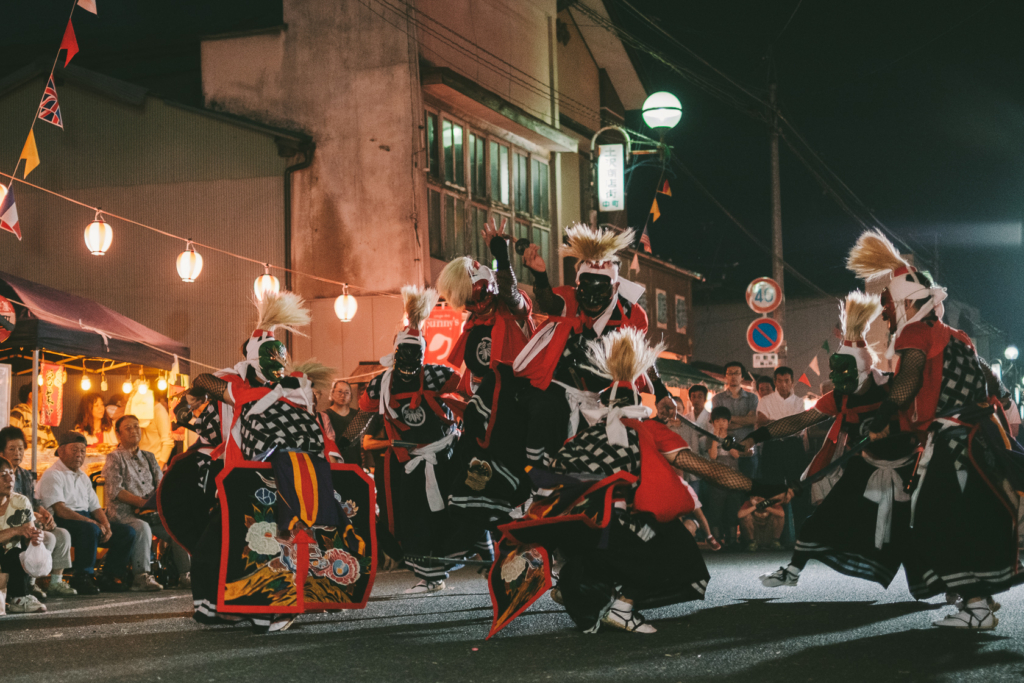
62,512
728,519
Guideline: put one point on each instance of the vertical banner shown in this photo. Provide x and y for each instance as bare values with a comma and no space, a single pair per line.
51,396
611,169
441,330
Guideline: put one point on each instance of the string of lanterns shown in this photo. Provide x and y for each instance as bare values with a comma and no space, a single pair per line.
189,264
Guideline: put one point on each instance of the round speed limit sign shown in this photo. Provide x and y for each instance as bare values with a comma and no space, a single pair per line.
764,295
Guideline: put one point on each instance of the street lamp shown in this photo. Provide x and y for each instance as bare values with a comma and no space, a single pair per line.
662,110
1011,352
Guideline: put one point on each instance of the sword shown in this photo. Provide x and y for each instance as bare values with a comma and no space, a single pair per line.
727,443
428,559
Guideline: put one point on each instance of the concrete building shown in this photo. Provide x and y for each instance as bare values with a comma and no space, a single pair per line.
429,118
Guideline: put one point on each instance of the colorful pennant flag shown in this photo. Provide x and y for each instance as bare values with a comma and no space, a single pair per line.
814,366
9,213
30,154
635,265
654,210
665,189
645,240
824,345
803,380
88,5
49,110
69,43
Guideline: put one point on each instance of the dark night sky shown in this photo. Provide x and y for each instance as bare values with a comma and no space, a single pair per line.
917,104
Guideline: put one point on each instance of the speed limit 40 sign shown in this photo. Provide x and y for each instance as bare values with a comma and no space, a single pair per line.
764,295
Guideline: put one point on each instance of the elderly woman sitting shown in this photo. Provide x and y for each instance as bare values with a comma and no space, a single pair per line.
17,531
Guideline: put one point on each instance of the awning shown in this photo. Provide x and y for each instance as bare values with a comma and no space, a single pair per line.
676,373
79,329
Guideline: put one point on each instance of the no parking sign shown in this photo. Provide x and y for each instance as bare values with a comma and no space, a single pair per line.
764,335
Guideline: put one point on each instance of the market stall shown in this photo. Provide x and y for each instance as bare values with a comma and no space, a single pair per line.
51,334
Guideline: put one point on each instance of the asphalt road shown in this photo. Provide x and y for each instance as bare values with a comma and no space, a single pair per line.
829,628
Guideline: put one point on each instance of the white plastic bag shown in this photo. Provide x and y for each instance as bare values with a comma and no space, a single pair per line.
36,561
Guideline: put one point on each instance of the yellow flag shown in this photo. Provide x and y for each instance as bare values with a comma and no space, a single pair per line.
30,154
654,208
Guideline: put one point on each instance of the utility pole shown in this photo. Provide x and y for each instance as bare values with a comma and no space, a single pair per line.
778,267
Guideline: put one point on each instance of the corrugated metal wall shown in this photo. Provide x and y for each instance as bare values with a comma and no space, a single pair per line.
177,170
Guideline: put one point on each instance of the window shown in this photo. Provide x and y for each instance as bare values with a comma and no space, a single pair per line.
499,173
662,305
522,183
682,314
433,162
642,301
454,163
477,167
475,176
541,205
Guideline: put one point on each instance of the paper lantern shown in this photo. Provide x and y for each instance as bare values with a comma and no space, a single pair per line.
345,306
189,264
662,110
266,284
98,236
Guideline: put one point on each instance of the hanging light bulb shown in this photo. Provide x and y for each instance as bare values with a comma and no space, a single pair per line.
127,386
103,383
266,283
98,235
86,383
189,263
40,380
161,384
143,387
345,306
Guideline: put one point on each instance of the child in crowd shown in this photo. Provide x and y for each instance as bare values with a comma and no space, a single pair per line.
763,528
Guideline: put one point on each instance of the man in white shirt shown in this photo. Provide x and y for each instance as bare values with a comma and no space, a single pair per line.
67,492
784,459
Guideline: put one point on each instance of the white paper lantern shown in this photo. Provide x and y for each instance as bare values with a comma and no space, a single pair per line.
189,264
662,110
98,236
266,284
345,306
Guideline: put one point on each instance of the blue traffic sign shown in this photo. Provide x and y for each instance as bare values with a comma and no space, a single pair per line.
764,335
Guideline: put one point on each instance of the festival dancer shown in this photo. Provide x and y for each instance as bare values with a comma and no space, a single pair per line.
963,507
293,533
416,401
555,359
489,478
610,501
862,520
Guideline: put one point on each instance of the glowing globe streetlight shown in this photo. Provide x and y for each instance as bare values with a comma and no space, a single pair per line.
1011,352
662,111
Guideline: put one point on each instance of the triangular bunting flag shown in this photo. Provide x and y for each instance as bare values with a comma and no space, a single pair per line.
824,345
814,366
635,265
665,189
88,5
803,380
654,209
30,154
9,213
69,43
49,110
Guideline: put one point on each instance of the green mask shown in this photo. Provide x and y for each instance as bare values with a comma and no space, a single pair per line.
273,356
843,373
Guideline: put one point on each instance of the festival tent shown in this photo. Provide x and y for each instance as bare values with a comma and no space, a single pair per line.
41,323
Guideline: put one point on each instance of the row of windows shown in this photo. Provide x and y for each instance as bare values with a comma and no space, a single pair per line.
473,177
661,311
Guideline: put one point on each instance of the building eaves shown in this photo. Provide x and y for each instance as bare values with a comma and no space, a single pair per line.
297,137
667,264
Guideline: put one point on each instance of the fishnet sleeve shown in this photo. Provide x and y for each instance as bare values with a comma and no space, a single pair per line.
362,422
717,474
212,385
903,387
794,424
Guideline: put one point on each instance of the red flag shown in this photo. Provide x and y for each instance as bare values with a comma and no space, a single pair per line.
69,43
665,189
803,380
